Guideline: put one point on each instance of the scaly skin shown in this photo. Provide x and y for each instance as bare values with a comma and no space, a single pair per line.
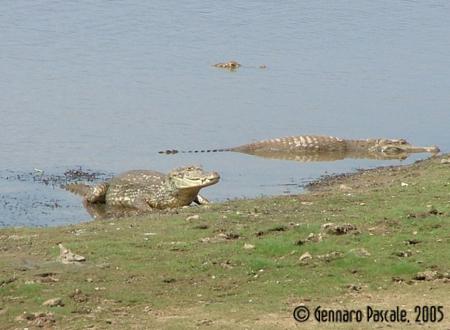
146,190
325,148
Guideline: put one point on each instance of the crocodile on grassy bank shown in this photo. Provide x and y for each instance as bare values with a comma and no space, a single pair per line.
146,190
324,148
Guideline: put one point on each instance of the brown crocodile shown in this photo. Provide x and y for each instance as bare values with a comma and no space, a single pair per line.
233,65
324,148
146,190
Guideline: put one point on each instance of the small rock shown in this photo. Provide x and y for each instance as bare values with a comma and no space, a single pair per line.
403,254
204,322
404,184
23,317
360,252
314,238
434,211
311,238
230,236
193,217
169,280
412,241
38,319
305,256
354,287
53,302
83,310
226,264
47,278
344,187
7,281
428,275
248,246
68,257
397,279
445,161
327,225
330,256
278,228
335,229
78,296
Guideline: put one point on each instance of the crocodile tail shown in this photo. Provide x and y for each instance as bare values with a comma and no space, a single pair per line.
174,151
78,188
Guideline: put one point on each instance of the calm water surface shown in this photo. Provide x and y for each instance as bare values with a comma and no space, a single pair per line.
106,84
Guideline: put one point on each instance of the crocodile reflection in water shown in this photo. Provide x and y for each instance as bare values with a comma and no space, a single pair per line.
310,148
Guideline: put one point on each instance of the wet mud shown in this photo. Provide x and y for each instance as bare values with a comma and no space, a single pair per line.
36,197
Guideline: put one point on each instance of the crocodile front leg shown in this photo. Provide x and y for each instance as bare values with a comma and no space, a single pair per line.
200,200
142,204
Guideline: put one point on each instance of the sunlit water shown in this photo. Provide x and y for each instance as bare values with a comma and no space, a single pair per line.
106,84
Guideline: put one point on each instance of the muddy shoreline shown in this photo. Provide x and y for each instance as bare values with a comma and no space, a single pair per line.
376,237
37,207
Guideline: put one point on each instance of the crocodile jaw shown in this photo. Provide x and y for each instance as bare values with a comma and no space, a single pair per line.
399,147
200,182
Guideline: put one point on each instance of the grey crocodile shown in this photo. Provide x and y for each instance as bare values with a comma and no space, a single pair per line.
308,148
146,190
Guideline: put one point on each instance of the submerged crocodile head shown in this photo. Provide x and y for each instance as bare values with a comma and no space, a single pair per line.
399,146
192,177
231,65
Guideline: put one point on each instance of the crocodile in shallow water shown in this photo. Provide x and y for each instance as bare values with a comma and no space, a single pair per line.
233,65
309,148
146,190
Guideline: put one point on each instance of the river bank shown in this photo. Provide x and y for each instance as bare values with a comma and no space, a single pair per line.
378,237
